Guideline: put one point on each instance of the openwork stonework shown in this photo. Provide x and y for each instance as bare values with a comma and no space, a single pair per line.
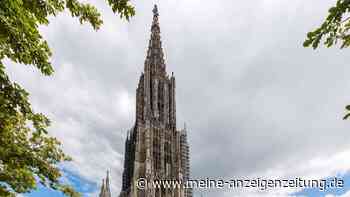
155,149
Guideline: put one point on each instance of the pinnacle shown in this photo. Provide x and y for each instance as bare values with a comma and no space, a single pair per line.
155,55
155,10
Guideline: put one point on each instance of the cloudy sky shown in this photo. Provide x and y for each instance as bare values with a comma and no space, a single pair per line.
256,103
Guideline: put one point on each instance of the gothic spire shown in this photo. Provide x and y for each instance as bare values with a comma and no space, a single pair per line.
108,190
105,189
102,192
155,56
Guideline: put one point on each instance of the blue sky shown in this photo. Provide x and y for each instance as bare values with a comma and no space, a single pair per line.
333,191
83,186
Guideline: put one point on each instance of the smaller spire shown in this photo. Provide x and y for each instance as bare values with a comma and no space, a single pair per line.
103,184
127,135
108,190
105,189
102,192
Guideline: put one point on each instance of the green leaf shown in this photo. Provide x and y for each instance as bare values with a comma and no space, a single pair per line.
332,29
347,107
27,151
346,116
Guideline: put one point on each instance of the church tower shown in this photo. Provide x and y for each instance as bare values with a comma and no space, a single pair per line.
154,148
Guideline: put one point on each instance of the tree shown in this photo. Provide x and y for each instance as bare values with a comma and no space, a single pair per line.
335,29
28,154
348,112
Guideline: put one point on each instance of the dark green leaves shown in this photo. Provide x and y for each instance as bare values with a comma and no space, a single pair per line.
334,30
122,7
26,149
27,152
85,13
88,13
348,112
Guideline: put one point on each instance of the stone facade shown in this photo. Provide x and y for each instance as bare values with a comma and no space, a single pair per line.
154,148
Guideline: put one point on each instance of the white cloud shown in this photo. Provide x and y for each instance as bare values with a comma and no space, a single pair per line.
247,89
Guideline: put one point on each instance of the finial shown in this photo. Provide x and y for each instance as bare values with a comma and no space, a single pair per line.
107,178
103,185
155,10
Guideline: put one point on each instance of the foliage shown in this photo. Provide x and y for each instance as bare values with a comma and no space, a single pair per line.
334,30
27,153
347,115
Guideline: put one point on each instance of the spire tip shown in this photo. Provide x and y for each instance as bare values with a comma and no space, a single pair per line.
155,10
